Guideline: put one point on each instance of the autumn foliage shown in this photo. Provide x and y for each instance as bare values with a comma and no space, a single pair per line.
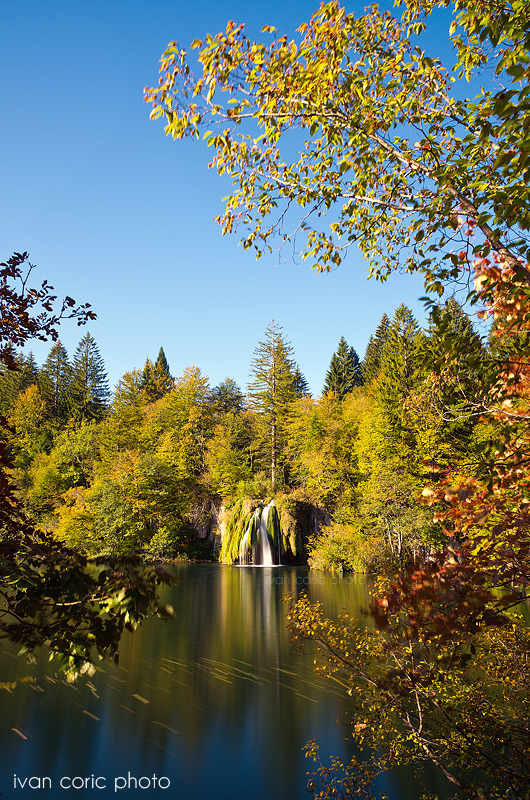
49,595
393,160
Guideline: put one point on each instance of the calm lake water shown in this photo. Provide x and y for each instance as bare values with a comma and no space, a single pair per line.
214,704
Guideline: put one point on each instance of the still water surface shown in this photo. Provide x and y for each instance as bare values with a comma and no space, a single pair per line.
215,703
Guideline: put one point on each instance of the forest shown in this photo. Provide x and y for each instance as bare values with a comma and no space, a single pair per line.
148,468
416,455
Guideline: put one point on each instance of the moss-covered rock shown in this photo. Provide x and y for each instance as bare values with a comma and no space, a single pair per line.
291,521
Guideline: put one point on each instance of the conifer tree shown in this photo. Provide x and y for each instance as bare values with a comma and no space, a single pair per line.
156,378
271,390
301,386
372,357
147,379
398,368
89,386
452,332
13,383
162,363
344,371
227,397
55,379
455,364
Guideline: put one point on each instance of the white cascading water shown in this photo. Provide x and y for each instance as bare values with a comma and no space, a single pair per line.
243,547
266,552
278,539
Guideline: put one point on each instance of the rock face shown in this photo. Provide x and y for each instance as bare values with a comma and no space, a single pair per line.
205,521
299,521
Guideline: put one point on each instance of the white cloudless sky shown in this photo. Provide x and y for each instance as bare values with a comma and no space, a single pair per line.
114,213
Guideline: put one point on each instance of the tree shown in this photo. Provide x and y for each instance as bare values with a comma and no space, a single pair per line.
398,528
344,370
55,382
28,313
424,181
321,435
228,456
122,427
301,386
398,371
452,393
271,390
12,382
415,701
156,378
372,357
228,397
162,363
48,592
187,419
70,463
89,384
400,161
31,434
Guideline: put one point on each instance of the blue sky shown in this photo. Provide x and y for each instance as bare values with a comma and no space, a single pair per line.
114,214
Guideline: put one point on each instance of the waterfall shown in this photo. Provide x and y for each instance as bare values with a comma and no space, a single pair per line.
258,540
278,540
243,547
266,552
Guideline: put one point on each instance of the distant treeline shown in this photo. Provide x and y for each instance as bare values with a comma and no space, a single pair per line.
147,468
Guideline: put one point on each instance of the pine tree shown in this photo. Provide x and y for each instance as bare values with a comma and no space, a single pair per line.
398,368
55,383
162,363
227,397
147,379
271,390
451,333
89,386
156,378
14,383
344,371
372,358
301,386
453,354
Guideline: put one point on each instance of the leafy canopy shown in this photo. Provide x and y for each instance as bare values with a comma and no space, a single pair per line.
398,161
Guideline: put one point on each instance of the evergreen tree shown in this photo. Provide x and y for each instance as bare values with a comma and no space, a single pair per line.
454,359
13,383
372,357
55,383
398,369
301,386
452,342
147,380
227,397
162,364
156,378
344,371
29,372
271,390
89,384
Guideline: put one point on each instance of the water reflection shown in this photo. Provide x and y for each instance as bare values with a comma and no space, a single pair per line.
215,700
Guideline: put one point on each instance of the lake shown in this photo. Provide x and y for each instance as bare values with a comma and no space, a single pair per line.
212,704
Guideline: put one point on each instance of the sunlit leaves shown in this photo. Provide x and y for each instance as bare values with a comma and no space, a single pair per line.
463,707
384,147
